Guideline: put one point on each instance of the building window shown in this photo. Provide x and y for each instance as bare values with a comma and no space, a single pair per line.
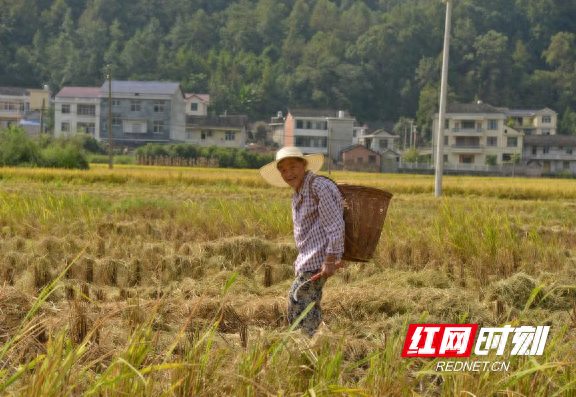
445,141
546,119
371,159
534,150
468,124
383,143
545,132
506,157
566,165
492,125
86,110
568,150
546,149
65,108
311,141
492,141
300,124
194,107
135,106
65,126
206,134
446,124
230,136
116,119
158,126
134,127
159,106
466,159
86,128
512,141
115,102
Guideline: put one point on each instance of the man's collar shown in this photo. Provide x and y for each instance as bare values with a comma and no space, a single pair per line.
305,184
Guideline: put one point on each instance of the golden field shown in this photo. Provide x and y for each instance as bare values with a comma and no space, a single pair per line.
149,281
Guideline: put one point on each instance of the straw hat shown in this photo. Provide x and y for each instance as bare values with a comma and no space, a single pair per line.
270,171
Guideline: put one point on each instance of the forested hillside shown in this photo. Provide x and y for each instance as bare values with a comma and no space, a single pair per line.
380,59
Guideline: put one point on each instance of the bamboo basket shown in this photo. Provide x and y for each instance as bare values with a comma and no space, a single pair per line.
364,214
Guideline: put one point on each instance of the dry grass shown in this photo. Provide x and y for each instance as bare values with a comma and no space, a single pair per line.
183,275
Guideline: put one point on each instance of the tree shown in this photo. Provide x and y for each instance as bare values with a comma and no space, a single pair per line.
138,59
567,123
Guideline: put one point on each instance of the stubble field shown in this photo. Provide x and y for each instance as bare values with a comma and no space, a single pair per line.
148,281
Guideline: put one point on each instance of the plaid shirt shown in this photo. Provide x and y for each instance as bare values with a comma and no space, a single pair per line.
317,213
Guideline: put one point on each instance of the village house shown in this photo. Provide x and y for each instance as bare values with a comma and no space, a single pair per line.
76,111
359,158
315,131
24,107
197,104
549,154
143,112
478,134
223,131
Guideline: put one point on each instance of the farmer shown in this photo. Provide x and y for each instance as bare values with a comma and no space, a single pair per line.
317,214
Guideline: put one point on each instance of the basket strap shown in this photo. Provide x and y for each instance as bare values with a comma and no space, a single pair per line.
316,198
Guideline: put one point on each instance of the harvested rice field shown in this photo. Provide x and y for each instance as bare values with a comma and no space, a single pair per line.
151,281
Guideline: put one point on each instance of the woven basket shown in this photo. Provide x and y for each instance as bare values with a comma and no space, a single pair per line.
364,213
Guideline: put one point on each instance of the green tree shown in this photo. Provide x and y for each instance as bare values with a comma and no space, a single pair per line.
138,59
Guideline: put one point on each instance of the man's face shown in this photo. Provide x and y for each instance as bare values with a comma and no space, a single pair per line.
293,170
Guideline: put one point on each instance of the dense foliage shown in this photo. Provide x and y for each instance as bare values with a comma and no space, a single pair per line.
18,149
226,157
380,59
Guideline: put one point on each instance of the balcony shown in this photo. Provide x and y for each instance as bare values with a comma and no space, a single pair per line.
467,148
550,156
467,130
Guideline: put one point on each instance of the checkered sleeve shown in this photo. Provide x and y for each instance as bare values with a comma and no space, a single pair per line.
331,210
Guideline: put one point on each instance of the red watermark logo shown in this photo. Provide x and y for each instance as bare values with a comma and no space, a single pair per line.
439,340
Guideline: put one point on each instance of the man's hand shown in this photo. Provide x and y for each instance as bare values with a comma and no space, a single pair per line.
329,267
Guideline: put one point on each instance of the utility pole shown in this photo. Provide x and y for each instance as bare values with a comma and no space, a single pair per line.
328,144
442,111
109,77
42,116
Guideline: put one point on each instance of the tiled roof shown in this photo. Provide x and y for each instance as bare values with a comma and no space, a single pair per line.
79,92
355,146
473,107
316,113
381,133
202,97
14,91
525,112
550,140
141,87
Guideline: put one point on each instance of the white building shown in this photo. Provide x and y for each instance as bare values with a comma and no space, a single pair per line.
197,104
77,110
318,131
478,134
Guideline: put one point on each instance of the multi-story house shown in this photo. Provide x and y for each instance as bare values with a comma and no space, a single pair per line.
379,140
549,154
142,112
18,104
77,110
478,134
318,131
223,131
197,104
13,105
532,121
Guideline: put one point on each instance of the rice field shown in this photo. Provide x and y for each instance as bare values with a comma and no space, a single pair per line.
158,281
